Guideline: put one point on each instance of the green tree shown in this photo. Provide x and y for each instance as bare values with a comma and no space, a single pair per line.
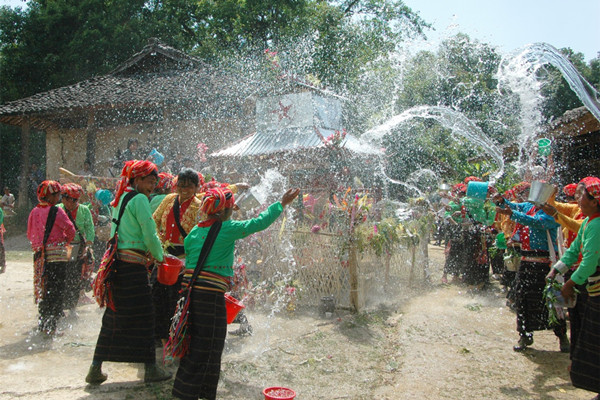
460,76
55,43
58,42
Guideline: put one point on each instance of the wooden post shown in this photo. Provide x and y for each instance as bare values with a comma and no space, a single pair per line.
22,202
353,272
388,261
90,149
413,257
426,256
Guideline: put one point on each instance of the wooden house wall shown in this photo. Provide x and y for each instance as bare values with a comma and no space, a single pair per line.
67,148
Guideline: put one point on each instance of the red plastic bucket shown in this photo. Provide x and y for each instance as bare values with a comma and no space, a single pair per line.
169,269
279,393
233,307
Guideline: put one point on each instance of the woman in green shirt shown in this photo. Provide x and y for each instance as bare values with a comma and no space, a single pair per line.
127,333
199,369
585,352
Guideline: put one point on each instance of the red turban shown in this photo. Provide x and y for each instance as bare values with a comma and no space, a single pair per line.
471,179
131,170
459,188
569,189
509,195
213,183
165,181
217,199
72,190
47,188
592,186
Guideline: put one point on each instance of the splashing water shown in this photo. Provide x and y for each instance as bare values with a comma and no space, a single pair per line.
424,175
518,71
448,118
271,182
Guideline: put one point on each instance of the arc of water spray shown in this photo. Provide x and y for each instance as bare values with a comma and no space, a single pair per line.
534,56
397,182
448,118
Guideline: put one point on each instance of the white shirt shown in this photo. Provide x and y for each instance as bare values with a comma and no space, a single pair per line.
7,200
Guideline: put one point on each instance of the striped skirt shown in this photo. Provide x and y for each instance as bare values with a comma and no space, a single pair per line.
165,299
73,283
52,303
576,313
454,256
199,370
127,334
532,314
585,368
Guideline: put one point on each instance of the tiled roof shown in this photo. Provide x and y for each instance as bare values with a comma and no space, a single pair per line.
578,121
157,75
171,87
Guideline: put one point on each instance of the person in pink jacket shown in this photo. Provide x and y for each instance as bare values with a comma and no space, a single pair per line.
50,231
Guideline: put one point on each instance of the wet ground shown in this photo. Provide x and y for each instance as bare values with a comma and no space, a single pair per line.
431,342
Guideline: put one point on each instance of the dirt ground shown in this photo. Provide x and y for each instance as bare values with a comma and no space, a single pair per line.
431,342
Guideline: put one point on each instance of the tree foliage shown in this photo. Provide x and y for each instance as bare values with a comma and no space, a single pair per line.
459,76
347,45
53,43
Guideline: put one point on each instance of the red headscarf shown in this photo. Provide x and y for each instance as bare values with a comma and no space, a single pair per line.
592,186
72,190
165,181
213,183
131,170
569,189
471,179
45,189
217,199
459,188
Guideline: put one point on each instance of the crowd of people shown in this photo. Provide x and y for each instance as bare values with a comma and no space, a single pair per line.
155,215
139,308
528,244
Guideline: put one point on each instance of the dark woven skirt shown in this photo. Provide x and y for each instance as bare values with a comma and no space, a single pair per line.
2,254
576,313
73,283
532,314
52,302
497,262
475,267
127,334
199,370
585,368
454,263
165,299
